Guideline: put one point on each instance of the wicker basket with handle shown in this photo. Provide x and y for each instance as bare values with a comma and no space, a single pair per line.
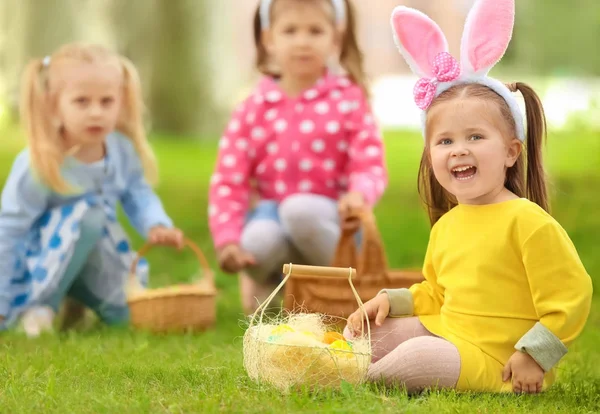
176,308
331,296
299,356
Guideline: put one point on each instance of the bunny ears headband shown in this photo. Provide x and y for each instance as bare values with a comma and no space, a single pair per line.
265,10
487,33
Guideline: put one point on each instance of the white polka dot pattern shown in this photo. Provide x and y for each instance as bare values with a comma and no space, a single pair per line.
325,141
332,127
305,165
307,126
322,108
280,125
280,164
229,161
445,69
318,145
258,133
271,114
272,148
234,126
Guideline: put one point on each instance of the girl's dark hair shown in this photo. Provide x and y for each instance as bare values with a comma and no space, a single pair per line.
526,178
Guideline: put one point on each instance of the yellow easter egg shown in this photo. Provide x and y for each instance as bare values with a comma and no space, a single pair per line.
342,346
281,329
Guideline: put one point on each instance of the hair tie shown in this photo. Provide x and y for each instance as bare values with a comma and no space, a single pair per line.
512,87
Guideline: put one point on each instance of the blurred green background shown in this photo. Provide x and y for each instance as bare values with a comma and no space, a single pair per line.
196,56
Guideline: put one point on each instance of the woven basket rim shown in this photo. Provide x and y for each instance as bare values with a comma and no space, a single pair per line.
171,291
324,348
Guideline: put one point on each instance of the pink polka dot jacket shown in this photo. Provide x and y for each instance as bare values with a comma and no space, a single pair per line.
324,141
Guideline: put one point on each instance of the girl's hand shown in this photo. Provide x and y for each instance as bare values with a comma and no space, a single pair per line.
233,259
377,308
349,207
163,236
527,376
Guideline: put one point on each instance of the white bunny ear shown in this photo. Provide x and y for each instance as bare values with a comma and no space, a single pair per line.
418,38
487,33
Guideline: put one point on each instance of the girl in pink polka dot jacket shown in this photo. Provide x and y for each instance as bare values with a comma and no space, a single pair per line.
307,140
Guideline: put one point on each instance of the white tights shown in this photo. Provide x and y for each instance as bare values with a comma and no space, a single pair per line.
307,232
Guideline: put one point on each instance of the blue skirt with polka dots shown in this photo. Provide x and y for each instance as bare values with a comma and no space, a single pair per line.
43,259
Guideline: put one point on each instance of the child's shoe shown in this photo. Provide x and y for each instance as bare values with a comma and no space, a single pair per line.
37,320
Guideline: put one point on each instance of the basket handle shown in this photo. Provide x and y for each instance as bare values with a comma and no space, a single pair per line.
372,258
295,270
345,251
208,274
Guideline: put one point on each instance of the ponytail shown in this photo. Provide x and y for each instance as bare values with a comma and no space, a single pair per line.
43,136
262,57
536,188
351,57
131,122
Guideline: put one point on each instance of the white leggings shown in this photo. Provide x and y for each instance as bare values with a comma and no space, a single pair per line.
305,230
302,229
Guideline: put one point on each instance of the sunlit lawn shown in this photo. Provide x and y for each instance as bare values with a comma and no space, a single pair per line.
118,370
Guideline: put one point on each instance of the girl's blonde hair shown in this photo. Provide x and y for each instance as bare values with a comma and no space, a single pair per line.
39,94
526,178
351,57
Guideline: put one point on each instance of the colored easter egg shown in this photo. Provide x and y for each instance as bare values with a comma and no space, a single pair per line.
273,338
342,345
331,337
281,329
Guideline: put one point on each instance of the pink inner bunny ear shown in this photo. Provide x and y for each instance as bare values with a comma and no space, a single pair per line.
418,38
487,33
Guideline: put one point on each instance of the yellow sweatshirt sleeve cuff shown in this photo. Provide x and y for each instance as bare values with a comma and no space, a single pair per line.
401,301
543,346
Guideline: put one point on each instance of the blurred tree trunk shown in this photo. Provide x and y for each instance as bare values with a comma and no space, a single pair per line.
93,21
132,24
181,100
32,28
133,29
4,62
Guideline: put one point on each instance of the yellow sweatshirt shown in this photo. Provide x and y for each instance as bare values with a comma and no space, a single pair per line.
499,277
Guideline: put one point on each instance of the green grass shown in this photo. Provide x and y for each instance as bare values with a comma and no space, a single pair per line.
118,370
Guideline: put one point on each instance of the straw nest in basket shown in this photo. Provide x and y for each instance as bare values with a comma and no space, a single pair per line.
175,308
303,350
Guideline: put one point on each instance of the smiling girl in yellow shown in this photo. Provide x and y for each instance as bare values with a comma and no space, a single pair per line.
505,291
